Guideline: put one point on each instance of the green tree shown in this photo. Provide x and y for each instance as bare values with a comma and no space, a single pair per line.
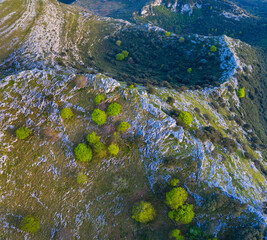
114,109
113,149
184,214
123,127
173,182
30,224
83,153
120,56
125,53
99,98
118,43
81,178
189,70
186,117
23,133
213,48
167,34
175,234
241,92
92,138
176,197
99,117
66,113
143,212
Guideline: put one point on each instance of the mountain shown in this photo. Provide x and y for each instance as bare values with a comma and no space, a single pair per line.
160,62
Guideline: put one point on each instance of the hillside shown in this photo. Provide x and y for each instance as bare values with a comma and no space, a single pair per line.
56,56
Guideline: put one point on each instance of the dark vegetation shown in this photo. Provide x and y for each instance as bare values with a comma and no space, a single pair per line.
208,20
155,59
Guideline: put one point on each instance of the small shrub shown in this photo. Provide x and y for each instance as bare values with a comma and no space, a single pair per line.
99,117
230,89
181,40
125,53
83,153
175,234
99,98
176,197
229,144
167,34
241,92
186,117
113,149
81,178
143,212
207,116
23,133
170,100
66,113
30,224
81,81
92,138
213,48
189,70
197,110
150,89
118,43
100,150
114,109
213,134
120,56
123,127
249,155
50,134
174,182
184,214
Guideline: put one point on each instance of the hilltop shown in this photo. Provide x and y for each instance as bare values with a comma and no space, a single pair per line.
56,56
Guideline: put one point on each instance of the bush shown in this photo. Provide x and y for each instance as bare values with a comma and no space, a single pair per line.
186,117
50,134
81,178
241,92
184,214
174,182
83,153
197,110
66,113
125,53
143,212
99,117
23,133
81,81
150,89
30,224
123,127
170,100
229,144
176,197
181,40
167,34
213,48
207,116
120,56
92,138
114,109
100,150
99,98
118,43
113,149
175,234
189,70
